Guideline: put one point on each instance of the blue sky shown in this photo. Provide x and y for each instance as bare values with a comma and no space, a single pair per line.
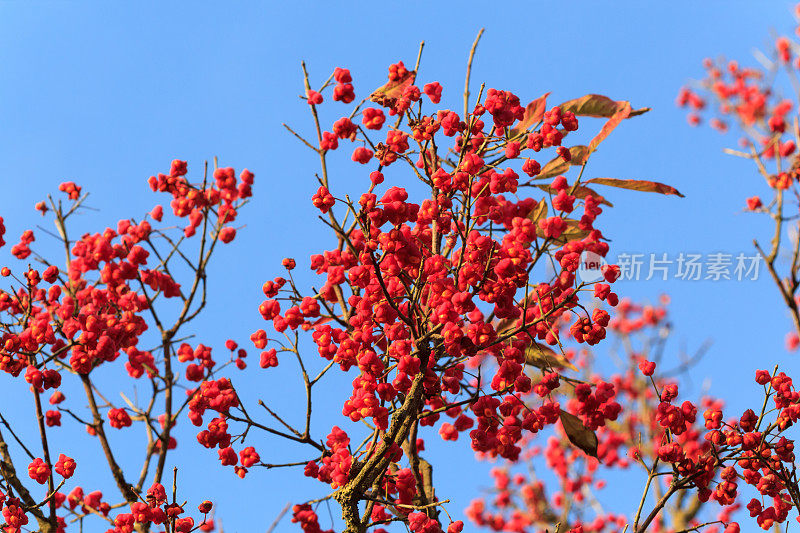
108,94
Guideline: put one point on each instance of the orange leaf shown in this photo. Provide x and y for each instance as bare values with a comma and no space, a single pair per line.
323,320
623,112
503,325
596,105
533,114
389,93
580,192
572,233
578,434
558,166
545,357
539,212
637,185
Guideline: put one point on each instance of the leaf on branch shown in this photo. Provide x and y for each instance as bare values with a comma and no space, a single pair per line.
533,114
149,369
324,320
558,166
539,212
637,185
545,357
580,192
388,94
571,233
623,112
578,434
505,324
596,105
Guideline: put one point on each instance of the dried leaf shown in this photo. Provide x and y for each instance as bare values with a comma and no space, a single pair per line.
545,357
324,320
150,370
553,168
539,212
623,112
579,155
503,325
580,192
533,114
559,166
571,233
596,105
637,185
388,94
578,434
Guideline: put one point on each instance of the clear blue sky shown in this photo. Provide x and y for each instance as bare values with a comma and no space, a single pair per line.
107,94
